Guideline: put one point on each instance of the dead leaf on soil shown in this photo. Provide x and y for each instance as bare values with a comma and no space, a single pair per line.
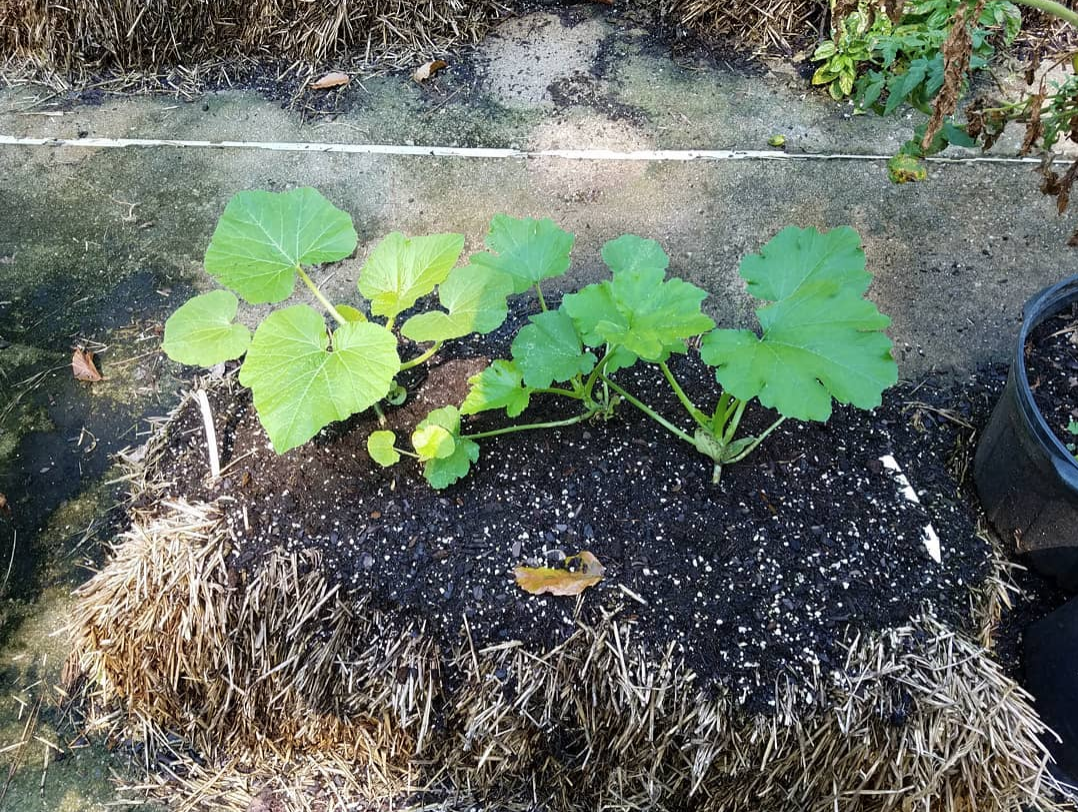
547,580
83,367
331,80
424,72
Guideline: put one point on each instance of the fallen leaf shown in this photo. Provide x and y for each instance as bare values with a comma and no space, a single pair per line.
4,506
424,72
331,80
83,367
547,580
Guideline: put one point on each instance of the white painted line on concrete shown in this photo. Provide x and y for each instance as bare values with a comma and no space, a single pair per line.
482,152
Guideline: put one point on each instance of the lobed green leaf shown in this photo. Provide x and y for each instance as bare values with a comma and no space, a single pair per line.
820,339
549,350
528,250
441,472
201,332
476,300
638,309
401,270
263,236
433,443
300,385
499,386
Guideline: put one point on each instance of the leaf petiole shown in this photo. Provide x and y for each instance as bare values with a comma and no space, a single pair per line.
694,412
722,412
735,421
555,424
654,415
337,317
426,356
756,441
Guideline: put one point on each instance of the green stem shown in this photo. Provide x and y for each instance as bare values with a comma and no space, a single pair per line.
556,424
553,390
1055,9
542,301
722,412
337,317
696,414
735,421
589,384
654,415
752,446
419,359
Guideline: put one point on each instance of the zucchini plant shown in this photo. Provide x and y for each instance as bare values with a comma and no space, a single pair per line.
820,340
304,373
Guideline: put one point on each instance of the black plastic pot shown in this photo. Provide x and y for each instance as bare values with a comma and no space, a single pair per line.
1026,477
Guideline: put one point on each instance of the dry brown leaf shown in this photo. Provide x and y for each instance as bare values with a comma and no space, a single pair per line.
956,52
83,367
550,581
331,80
424,72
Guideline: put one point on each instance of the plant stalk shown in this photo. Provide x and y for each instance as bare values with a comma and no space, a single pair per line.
556,424
752,446
419,359
693,411
735,421
654,415
337,317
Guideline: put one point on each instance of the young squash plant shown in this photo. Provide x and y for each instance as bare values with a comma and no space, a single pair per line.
820,341
304,373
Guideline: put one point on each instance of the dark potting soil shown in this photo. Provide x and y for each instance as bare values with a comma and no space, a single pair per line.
1052,368
755,581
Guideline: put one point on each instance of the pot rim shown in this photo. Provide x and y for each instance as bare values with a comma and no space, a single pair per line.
1042,306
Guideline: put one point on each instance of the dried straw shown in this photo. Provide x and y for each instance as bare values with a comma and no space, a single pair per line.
770,25
160,35
88,37
287,690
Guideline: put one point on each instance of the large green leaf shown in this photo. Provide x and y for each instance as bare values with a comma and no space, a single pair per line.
453,464
820,338
401,270
638,309
201,332
301,383
499,386
526,249
796,257
475,298
263,236
549,349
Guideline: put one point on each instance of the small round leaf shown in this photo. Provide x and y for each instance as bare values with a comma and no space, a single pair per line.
381,445
201,332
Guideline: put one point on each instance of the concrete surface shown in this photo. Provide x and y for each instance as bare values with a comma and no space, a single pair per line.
97,245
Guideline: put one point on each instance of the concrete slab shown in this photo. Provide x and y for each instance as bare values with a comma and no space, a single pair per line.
100,244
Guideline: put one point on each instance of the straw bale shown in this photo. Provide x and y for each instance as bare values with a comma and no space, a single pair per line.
285,686
155,34
774,25
158,35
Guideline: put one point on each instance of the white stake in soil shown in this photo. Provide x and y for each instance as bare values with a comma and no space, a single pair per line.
931,540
